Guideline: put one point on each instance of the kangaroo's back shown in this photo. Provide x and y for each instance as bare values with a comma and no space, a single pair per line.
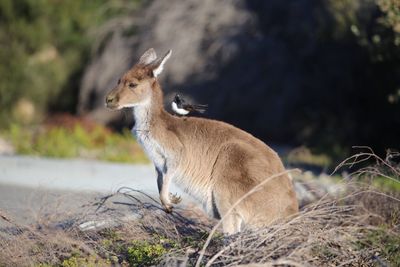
232,162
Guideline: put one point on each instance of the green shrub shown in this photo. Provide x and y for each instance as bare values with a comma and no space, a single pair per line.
386,184
391,17
44,45
62,142
91,261
143,253
387,244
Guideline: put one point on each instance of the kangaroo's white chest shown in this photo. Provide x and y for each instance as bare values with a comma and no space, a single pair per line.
143,133
152,148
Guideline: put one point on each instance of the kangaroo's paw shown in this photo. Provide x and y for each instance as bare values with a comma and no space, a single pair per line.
175,199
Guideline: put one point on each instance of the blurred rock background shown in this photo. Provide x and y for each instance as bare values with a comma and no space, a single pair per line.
324,74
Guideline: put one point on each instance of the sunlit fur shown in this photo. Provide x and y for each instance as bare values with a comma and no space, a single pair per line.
213,161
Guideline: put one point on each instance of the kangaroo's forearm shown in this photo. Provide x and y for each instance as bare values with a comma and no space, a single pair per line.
164,191
159,180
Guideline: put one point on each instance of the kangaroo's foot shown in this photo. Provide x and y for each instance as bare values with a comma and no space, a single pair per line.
166,203
168,208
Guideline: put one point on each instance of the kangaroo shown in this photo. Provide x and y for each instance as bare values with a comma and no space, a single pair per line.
213,161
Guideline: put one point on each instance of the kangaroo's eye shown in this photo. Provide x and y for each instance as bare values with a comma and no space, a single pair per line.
119,81
132,85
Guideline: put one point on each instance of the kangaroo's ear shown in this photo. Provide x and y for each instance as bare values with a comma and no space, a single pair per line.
148,57
159,64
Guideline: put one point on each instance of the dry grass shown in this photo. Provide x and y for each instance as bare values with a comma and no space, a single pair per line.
359,227
62,241
323,234
28,245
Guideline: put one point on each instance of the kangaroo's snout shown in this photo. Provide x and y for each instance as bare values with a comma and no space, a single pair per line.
111,100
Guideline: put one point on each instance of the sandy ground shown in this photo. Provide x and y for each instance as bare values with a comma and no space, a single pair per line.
31,187
75,174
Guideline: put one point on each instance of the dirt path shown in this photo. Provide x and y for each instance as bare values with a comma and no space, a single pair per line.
31,187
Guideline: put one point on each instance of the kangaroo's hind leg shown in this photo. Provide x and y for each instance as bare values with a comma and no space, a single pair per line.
231,183
231,220
232,224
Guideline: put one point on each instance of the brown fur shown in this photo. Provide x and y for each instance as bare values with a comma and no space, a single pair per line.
214,161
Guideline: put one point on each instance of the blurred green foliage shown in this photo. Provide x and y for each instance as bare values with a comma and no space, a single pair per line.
374,23
361,107
62,142
44,45
386,184
391,9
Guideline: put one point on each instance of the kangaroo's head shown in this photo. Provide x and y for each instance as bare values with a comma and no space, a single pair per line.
136,86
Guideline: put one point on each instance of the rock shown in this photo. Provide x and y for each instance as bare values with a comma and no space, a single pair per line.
310,187
276,69
199,34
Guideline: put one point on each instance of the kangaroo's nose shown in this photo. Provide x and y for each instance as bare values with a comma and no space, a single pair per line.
109,99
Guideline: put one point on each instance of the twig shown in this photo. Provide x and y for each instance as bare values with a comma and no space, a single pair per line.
4,217
364,156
